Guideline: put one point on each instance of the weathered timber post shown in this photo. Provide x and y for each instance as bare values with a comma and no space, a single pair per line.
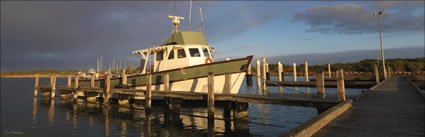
306,71
123,78
166,82
248,72
279,70
263,63
211,103
92,81
295,71
320,83
53,84
148,92
376,73
211,95
341,85
227,83
76,80
389,71
249,75
107,89
258,74
36,85
329,71
267,71
69,81
75,96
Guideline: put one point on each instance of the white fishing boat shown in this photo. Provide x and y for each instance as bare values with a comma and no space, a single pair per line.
187,59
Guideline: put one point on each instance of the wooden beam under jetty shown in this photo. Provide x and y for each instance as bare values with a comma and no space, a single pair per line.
328,84
293,101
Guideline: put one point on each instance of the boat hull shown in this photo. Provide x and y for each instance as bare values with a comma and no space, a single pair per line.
200,85
190,79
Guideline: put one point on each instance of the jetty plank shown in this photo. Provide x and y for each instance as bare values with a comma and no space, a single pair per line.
392,109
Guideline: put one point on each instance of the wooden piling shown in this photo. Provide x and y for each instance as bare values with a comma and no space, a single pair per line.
227,83
92,80
329,71
107,89
210,96
123,78
69,81
320,83
376,73
75,92
306,71
36,85
248,72
76,79
267,71
53,84
258,74
148,92
295,71
279,70
263,63
389,71
249,75
341,85
166,82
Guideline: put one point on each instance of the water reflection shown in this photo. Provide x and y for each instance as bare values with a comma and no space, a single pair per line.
34,113
52,112
263,120
74,117
105,111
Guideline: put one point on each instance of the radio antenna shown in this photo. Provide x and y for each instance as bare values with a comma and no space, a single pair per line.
190,12
202,21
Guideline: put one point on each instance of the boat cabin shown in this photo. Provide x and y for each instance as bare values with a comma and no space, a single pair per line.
182,49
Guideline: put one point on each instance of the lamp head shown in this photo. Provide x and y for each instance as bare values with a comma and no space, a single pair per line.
378,13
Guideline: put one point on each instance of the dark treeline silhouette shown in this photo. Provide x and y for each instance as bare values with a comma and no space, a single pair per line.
399,64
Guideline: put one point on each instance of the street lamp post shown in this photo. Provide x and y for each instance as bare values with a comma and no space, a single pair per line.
380,37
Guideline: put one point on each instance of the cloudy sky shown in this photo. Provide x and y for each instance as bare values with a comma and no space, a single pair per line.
73,34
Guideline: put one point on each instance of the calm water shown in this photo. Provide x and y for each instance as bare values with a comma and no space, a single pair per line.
23,115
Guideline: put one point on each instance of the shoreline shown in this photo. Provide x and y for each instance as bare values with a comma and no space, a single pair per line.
31,76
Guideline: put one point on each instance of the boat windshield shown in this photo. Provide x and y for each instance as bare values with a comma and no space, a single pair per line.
171,56
181,53
194,52
206,53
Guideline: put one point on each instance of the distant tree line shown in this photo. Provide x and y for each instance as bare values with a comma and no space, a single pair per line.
366,65
404,65
41,72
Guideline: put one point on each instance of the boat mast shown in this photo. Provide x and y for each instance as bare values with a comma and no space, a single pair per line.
190,12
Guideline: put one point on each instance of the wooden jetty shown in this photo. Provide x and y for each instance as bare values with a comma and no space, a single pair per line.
173,99
392,108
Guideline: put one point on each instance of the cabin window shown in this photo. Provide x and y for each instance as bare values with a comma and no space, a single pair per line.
194,52
181,53
159,55
171,56
206,53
